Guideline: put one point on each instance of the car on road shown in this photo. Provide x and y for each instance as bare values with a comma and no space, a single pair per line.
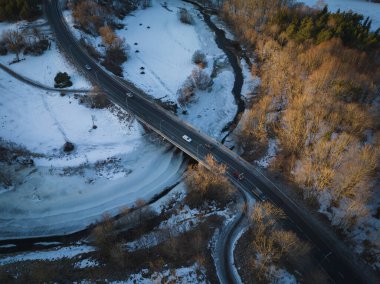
186,138
259,194
237,175
129,94
88,67
209,146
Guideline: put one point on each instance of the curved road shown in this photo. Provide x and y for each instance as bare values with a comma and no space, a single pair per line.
340,263
38,84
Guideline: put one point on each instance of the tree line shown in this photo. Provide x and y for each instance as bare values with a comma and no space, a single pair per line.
320,80
13,10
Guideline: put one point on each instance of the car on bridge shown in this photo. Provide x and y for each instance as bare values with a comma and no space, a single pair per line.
237,175
209,146
186,138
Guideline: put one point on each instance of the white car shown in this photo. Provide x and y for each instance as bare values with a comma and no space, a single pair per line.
129,94
186,138
88,67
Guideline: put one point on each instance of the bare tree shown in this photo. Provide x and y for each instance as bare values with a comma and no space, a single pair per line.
15,41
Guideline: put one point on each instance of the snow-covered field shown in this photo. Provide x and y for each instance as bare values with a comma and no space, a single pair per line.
366,8
111,166
42,68
165,51
165,47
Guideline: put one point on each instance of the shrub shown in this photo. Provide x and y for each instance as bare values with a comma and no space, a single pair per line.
184,16
3,48
114,68
62,80
68,147
146,3
201,79
99,100
15,41
199,58
115,56
185,93
90,49
208,184
37,48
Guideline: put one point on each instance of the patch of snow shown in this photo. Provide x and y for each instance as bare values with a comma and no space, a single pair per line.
192,274
177,194
222,26
366,8
250,82
8,246
64,252
281,276
181,222
271,153
85,263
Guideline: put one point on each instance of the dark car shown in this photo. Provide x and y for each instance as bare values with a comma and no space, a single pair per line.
237,175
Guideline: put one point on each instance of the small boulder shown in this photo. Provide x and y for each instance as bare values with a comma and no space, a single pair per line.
68,147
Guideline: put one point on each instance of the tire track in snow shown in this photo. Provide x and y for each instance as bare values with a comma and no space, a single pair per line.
56,122
158,79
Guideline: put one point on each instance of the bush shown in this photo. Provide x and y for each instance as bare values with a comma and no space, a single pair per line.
90,49
185,93
185,17
198,79
68,147
201,79
99,100
199,58
62,80
3,49
208,184
114,58
37,48
146,3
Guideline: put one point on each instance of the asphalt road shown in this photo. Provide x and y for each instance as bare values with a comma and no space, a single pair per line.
341,265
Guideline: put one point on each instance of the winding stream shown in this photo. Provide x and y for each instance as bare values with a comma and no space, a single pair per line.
230,48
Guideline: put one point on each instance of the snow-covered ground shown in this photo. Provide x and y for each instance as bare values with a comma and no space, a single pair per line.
42,68
165,51
192,274
182,221
111,166
366,8
49,255
165,47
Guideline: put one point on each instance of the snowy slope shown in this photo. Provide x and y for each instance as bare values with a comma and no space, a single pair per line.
165,51
367,9
42,68
110,168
